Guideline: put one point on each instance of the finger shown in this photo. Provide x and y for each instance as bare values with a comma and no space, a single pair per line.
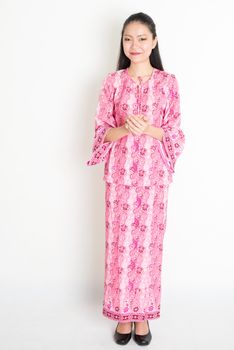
135,117
142,119
134,127
133,124
134,132
137,122
138,129
141,126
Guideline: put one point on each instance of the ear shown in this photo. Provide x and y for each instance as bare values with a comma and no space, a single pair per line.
155,42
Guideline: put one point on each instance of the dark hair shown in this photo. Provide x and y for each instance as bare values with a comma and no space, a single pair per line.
155,59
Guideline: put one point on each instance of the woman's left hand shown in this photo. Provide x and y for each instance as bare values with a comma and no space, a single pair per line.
137,124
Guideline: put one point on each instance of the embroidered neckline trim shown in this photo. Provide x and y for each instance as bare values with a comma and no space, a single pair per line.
141,82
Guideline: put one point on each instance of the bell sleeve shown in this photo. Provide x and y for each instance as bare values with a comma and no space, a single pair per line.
172,143
104,120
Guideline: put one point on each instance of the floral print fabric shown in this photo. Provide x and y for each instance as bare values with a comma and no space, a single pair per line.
135,226
138,171
136,159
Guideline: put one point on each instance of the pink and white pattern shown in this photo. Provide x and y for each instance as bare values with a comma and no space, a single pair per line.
137,174
133,159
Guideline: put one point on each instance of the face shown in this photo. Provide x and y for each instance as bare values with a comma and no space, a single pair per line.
138,42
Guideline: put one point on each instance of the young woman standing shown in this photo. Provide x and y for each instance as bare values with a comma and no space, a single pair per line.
138,136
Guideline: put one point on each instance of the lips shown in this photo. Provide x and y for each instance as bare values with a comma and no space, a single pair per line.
135,53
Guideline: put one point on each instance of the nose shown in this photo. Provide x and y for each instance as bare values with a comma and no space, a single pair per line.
134,47
134,44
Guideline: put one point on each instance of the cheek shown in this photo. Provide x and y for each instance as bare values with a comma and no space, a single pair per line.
126,46
147,48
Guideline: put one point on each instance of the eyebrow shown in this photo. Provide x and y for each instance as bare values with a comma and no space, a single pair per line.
137,35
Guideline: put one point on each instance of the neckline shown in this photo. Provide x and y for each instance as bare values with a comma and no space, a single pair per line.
142,82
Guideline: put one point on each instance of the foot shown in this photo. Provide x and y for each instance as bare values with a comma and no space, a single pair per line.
142,334
123,333
141,328
124,328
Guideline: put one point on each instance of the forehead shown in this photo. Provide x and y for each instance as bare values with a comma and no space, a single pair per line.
136,29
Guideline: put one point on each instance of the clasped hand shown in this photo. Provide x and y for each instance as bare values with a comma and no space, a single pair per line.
137,124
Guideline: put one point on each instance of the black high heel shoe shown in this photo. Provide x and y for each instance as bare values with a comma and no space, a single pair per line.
144,339
122,338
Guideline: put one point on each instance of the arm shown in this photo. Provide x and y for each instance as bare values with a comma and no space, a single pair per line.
155,132
173,139
104,121
113,134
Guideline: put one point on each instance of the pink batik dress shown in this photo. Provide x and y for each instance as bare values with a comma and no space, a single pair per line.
137,173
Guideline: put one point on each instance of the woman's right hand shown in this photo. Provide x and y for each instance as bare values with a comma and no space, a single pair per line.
137,124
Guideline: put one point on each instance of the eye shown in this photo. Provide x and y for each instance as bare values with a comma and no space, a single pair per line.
143,38
126,39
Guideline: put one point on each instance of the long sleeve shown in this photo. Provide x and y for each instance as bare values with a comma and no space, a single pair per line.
104,120
173,140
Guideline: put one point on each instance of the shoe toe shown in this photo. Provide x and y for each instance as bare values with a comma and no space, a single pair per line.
122,338
143,339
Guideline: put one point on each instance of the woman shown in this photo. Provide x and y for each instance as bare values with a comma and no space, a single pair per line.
138,136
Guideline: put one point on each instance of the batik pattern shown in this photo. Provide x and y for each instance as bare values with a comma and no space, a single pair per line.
134,159
138,171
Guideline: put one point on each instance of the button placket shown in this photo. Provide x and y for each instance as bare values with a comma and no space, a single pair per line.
138,100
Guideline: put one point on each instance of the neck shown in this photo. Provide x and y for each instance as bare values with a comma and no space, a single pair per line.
140,69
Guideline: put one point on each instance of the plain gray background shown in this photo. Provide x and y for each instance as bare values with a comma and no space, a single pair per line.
54,55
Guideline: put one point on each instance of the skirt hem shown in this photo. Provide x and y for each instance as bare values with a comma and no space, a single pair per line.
130,317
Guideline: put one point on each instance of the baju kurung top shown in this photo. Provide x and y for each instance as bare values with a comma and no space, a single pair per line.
138,160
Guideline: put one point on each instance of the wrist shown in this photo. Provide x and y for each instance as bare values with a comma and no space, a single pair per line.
148,130
124,129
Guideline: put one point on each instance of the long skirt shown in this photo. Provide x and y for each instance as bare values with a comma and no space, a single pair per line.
135,225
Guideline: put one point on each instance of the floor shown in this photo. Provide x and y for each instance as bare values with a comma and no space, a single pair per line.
49,322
